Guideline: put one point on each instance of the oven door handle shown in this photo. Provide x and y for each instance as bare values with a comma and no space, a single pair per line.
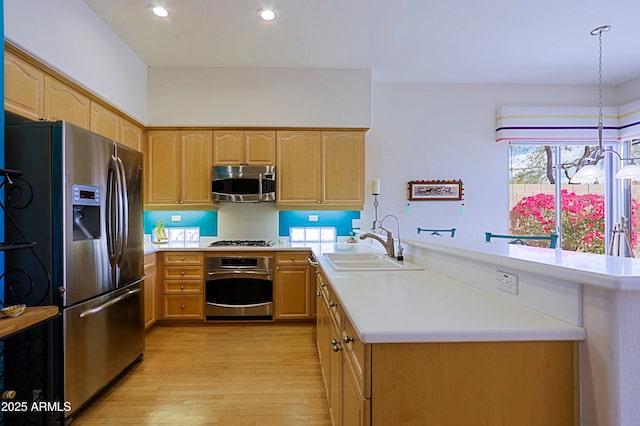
252,305
214,273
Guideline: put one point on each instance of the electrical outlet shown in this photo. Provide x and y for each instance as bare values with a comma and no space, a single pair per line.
507,282
313,218
176,218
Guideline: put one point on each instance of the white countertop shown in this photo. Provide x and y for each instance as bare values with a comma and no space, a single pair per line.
420,306
424,306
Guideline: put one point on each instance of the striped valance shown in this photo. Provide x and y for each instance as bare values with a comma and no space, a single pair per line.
567,123
555,124
629,120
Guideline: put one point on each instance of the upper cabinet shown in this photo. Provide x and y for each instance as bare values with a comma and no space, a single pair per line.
298,167
244,147
320,169
178,170
130,135
61,102
104,122
23,88
34,91
343,168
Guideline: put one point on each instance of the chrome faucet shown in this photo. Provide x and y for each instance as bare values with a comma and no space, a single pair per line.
388,245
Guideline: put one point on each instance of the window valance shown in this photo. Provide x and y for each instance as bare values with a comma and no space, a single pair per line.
578,124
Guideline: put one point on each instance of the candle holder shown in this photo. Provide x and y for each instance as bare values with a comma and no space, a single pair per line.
376,222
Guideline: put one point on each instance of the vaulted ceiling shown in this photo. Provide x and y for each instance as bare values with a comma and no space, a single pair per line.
427,41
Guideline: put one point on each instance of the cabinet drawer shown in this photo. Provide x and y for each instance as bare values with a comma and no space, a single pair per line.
150,261
182,258
183,272
334,307
358,355
183,307
182,286
292,258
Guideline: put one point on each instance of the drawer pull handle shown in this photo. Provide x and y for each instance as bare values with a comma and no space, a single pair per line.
181,287
182,307
348,339
318,293
323,284
182,258
332,304
336,346
181,272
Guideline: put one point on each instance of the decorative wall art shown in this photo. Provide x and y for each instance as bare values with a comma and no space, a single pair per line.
434,190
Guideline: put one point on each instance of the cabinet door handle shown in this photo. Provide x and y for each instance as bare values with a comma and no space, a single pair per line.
182,307
332,304
182,258
182,287
318,293
348,339
181,272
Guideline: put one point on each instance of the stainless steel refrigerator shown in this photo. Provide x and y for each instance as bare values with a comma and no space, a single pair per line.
81,202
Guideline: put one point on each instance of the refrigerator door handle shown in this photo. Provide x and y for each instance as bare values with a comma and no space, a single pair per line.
111,213
108,303
124,209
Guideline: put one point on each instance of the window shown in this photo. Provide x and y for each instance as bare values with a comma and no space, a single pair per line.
312,234
542,199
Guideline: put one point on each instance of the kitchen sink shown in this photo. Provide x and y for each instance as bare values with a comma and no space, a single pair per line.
368,262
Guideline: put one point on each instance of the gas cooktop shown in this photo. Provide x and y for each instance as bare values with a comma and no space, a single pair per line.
241,243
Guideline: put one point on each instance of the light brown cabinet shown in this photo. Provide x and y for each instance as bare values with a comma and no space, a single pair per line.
244,147
104,122
320,170
178,170
449,383
130,135
62,102
293,300
23,87
150,290
182,286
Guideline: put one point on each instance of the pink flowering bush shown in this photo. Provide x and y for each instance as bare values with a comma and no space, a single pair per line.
582,220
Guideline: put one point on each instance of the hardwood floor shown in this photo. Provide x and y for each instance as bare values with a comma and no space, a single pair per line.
218,375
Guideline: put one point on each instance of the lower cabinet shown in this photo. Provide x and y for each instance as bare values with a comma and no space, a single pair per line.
441,383
292,287
182,286
150,286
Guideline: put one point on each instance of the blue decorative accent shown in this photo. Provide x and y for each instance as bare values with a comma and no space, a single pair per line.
207,220
341,220
521,239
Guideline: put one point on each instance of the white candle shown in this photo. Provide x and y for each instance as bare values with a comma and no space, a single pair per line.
375,187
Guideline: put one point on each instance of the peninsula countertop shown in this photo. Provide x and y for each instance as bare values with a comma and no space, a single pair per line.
421,306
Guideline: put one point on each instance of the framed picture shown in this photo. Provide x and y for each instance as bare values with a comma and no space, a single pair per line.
435,190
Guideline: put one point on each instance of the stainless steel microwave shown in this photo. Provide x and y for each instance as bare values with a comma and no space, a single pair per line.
243,184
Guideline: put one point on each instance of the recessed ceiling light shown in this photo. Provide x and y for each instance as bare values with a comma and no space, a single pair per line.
160,11
266,14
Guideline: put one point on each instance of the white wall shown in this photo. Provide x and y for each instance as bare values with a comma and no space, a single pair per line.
448,132
629,91
275,97
68,36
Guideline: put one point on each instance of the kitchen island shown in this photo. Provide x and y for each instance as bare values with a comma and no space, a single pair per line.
593,295
424,347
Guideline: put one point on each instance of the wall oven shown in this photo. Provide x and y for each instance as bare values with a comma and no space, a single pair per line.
239,287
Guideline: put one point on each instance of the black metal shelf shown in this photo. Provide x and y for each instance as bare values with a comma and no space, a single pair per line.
16,246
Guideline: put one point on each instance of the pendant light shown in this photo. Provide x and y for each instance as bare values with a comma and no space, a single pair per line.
590,172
